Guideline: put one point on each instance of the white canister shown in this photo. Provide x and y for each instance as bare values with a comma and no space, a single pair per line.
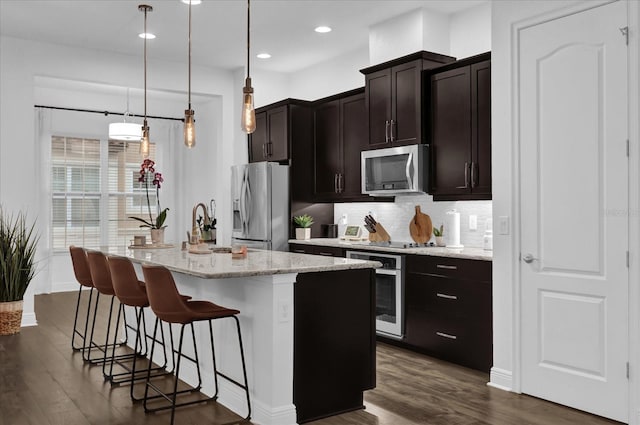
452,229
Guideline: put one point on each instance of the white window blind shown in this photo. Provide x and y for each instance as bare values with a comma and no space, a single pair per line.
95,191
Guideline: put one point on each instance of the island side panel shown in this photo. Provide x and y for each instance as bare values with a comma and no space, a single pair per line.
334,342
266,320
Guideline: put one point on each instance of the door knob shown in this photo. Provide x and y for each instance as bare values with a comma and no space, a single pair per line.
528,258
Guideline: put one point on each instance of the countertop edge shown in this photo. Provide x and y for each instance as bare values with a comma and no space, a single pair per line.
470,253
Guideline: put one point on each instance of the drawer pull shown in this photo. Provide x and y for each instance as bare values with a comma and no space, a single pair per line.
300,251
444,266
327,254
449,297
444,335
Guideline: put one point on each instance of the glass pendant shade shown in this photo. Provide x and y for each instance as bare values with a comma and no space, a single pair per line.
129,131
189,129
248,123
144,143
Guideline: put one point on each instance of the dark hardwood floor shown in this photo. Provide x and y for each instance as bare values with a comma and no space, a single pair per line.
42,382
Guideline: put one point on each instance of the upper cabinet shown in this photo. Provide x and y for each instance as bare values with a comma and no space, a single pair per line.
394,97
340,134
274,127
460,117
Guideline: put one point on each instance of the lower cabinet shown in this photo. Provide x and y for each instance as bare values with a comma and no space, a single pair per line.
334,353
329,251
448,309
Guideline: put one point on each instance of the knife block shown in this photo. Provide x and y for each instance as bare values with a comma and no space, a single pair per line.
380,234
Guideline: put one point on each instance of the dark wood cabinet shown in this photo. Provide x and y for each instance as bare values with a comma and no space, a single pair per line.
394,99
340,134
448,309
334,352
460,122
271,140
329,251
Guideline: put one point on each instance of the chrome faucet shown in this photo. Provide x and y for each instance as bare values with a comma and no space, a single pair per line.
195,230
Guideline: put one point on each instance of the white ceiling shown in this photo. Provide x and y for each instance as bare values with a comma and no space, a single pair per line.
284,28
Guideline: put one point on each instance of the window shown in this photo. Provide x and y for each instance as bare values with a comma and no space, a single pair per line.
95,189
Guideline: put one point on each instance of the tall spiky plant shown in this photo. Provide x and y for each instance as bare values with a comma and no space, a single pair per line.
17,255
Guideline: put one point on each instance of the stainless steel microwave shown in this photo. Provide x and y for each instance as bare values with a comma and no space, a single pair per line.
391,171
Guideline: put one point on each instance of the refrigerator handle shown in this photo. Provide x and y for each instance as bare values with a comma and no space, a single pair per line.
241,207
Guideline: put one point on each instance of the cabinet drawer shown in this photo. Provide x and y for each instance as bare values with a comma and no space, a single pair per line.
478,270
452,339
452,296
330,251
301,249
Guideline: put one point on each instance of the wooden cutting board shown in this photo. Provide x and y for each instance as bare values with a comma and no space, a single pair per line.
420,227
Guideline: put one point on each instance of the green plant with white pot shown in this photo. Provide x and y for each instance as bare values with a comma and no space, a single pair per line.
439,233
303,226
18,241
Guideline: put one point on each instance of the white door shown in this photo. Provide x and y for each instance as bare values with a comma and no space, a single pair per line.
574,202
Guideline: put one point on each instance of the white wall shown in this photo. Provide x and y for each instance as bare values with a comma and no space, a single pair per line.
470,31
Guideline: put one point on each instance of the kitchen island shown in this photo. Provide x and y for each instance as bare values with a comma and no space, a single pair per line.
307,323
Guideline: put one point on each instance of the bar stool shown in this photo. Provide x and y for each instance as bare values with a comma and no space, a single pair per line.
83,276
169,307
101,277
132,292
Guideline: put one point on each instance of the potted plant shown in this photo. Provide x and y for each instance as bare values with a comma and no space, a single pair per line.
150,177
17,267
303,223
438,233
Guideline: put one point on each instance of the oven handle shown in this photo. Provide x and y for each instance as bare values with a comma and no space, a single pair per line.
390,272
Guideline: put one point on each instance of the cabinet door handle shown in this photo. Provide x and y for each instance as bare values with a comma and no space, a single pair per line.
473,174
393,124
340,183
335,182
270,148
466,177
447,267
264,150
386,131
445,335
449,297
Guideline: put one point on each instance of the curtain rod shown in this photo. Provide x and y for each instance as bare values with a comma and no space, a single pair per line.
105,113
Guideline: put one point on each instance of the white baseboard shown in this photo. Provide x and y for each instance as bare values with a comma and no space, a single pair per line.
28,319
501,379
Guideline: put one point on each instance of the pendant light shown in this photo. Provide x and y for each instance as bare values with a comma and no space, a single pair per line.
144,143
128,131
248,122
189,124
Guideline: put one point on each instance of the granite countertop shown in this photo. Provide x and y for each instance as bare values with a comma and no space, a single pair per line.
466,253
221,265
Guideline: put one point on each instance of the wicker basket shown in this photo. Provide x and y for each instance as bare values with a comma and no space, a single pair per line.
10,317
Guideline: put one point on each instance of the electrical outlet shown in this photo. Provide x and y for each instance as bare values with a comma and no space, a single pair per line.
503,225
473,222
285,308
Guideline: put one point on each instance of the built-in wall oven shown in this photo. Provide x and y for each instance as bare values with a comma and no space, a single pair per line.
389,292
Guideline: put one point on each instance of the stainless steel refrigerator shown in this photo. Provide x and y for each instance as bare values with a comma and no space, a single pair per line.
260,200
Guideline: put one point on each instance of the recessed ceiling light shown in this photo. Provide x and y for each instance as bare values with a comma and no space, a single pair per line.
263,55
193,2
147,35
323,29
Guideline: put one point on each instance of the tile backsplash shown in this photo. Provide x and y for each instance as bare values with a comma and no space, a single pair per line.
395,217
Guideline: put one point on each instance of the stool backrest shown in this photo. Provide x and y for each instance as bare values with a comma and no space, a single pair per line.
100,273
81,266
125,282
163,295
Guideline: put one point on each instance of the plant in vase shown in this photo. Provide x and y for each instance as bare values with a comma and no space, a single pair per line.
17,267
150,178
303,223
438,233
